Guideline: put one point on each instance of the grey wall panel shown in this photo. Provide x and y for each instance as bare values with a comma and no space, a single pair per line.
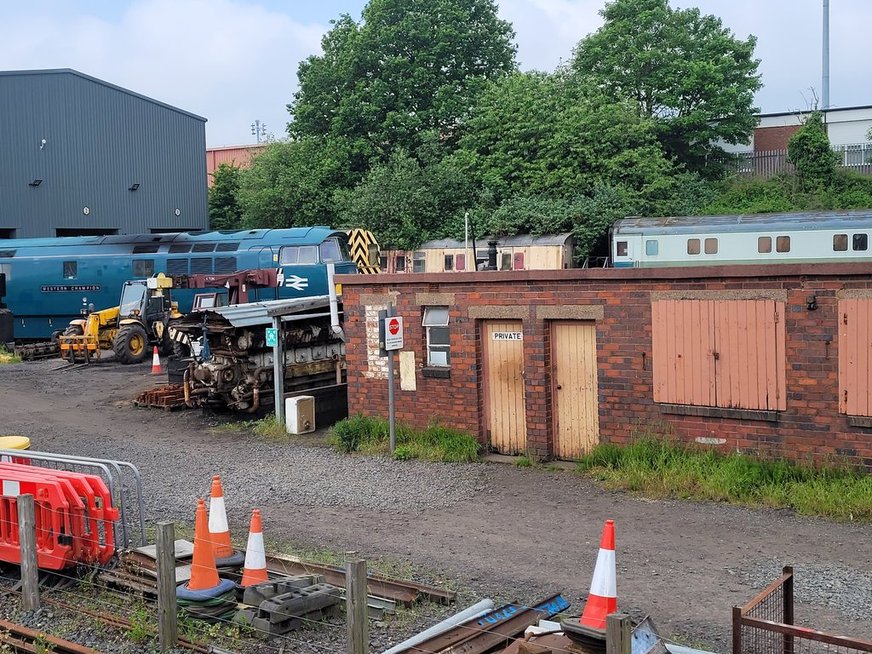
99,140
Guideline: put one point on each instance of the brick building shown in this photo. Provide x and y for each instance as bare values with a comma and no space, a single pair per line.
770,359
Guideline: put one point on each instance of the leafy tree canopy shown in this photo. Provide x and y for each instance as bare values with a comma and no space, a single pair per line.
809,150
410,66
679,67
224,209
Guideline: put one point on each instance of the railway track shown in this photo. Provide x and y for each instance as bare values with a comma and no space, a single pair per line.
18,638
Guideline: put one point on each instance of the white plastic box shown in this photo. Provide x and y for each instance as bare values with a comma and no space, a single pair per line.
300,414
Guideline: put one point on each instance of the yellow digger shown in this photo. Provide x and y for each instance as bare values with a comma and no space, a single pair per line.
139,321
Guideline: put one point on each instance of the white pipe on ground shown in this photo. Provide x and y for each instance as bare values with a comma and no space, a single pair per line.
474,611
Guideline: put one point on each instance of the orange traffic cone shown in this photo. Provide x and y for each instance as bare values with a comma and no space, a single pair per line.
204,574
155,362
219,532
254,571
603,598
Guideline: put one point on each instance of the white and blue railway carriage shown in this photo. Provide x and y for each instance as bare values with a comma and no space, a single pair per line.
823,237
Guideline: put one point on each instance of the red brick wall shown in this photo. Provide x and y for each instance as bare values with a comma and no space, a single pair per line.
773,138
810,427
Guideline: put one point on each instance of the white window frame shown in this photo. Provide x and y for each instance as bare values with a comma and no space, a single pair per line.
436,317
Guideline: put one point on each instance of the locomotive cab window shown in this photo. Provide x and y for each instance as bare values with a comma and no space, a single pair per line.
308,254
693,246
782,244
764,244
860,242
652,247
289,255
840,242
332,251
711,246
621,248
71,269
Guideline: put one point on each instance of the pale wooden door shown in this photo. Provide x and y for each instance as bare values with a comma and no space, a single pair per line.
505,416
576,404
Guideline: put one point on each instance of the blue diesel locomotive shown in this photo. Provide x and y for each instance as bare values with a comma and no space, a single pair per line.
50,280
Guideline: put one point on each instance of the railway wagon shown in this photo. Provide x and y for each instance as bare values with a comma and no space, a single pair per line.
51,280
818,237
521,252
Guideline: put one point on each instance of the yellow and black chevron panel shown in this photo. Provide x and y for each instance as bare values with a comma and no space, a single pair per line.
364,250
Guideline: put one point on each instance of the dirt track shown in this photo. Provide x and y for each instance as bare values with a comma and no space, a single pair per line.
517,533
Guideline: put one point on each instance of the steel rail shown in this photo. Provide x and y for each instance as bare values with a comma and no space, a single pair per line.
23,639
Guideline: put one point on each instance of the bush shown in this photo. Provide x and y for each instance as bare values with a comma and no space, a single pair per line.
372,436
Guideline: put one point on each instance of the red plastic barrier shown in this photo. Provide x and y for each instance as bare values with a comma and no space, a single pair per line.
74,516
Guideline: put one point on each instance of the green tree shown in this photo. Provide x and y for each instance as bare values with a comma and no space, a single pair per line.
408,68
679,67
224,209
810,152
291,183
534,134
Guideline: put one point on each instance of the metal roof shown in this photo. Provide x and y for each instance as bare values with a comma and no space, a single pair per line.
800,221
518,240
70,71
257,313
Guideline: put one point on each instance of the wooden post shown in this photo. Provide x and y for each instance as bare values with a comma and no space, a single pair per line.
787,616
167,613
355,604
29,565
737,630
618,640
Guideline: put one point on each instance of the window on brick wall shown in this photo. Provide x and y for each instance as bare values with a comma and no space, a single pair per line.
435,323
719,353
855,357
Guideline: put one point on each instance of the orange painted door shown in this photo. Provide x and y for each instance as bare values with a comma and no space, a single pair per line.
855,357
576,400
504,386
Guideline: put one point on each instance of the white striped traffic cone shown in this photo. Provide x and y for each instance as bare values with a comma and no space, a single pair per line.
219,532
155,362
254,571
603,598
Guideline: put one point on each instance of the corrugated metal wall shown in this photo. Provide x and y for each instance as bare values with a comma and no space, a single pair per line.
99,141
724,353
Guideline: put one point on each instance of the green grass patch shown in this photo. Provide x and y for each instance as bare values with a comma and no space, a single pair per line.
661,467
267,427
372,436
8,357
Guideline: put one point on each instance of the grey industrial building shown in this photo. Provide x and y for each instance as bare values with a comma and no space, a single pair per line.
80,156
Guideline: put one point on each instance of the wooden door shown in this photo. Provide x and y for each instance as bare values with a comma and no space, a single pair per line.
505,416
576,397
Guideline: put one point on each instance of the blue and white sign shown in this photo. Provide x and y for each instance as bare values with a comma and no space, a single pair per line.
272,336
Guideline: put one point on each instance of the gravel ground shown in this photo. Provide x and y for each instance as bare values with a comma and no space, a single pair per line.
488,530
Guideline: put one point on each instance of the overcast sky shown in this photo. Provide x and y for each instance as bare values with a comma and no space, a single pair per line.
234,61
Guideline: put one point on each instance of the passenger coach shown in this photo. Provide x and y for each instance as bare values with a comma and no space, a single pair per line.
760,239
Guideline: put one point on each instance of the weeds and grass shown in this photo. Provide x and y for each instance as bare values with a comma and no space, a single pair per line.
662,467
524,461
267,427
142,626
8,357
372,436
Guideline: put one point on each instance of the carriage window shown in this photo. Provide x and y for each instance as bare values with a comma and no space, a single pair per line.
308,254
330,252
764,244
71,269
449,262
621,249
419,262
860,242
143,268
782,244
693,246
652,247
506,261
840,242
400,263
460,262
711,246
383,263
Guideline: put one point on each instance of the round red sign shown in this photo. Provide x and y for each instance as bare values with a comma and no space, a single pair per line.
393,326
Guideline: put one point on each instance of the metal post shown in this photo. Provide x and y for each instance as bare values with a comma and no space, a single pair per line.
167,612
278,372
618,640
825,59
29,565
355,604
392,311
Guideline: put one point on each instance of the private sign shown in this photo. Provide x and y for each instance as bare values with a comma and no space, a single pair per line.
508,336
394,333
